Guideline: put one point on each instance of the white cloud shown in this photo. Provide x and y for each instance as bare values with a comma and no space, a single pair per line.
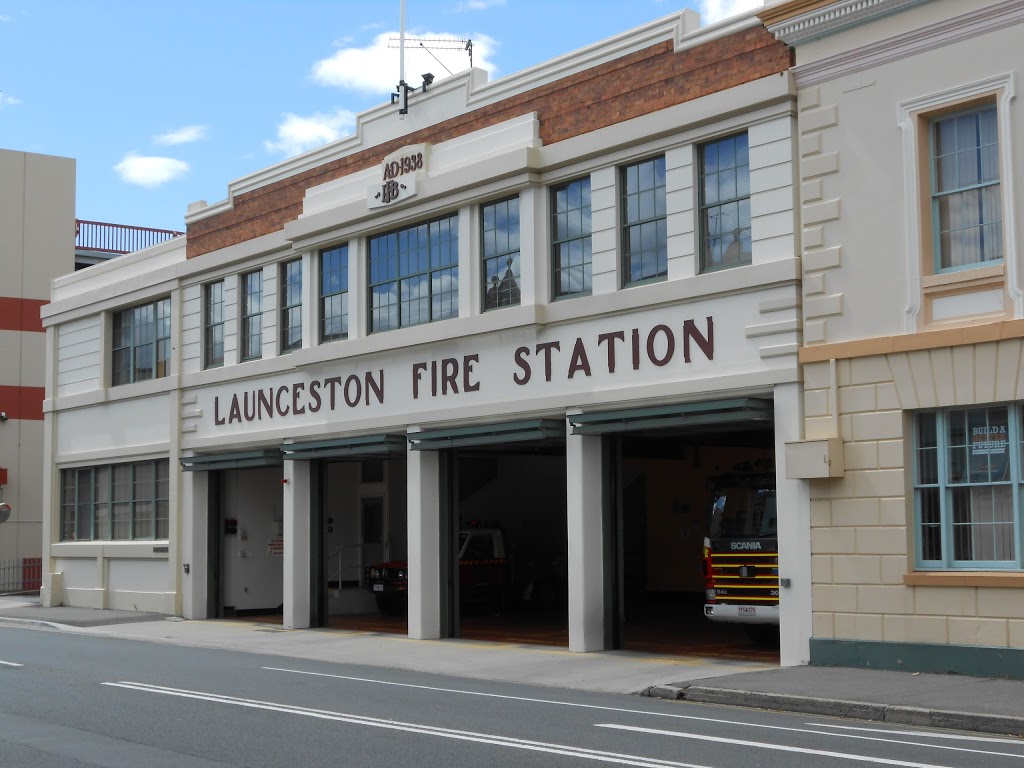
716,10
297,134
374,69
8,100
478,5
149,171
4,18
184,135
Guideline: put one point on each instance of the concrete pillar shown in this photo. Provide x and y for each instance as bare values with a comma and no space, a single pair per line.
297,517
794,519
585,521
424,506
195,512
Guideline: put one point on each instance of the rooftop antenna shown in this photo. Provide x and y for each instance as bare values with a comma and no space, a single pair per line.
428,44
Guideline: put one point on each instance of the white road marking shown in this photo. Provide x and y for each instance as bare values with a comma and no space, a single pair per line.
768,746
10,664
922,734
671,714
426,730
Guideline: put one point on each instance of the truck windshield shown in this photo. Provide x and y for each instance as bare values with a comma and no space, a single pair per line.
743,513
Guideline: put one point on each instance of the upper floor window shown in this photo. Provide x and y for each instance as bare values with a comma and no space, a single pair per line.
725,203
252,315
213,324
142,343
967,487
334,294
115,501
967,220
291,305
644,231
414,275
500,235
570,238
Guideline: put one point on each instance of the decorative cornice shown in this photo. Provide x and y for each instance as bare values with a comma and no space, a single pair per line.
833,17
927,38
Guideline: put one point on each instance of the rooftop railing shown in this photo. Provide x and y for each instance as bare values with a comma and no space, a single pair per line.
118,238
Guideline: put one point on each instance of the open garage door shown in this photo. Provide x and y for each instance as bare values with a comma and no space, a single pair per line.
506,530
670,466
359,511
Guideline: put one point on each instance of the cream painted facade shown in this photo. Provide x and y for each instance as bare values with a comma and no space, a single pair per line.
889,334
383,381
37,244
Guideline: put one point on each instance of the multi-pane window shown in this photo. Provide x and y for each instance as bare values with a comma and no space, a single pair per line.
725,203
570,241
142,343
291,305
334,294
115,502
414,275
213,324
967,213
967,487
500,235
252,315
644,232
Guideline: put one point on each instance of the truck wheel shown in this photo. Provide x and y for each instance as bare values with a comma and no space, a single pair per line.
390,605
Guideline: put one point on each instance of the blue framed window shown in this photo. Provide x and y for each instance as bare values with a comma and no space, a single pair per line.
414,275
291,305
571,251
499,233
334,293
644,223
967,488
725,203
967,209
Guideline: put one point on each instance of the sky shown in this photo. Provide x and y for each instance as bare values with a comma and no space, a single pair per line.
164,103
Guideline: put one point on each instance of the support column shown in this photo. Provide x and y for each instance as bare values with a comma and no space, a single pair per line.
297,516
793,500
195,512
425,577
585,522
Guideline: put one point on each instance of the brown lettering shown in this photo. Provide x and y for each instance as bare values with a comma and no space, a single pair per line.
579,361
449,372
417,369
546,348
314,392
277,401
297,390
353,401
376,386
611,338
467,369
706,343
670,344
217,418
521,354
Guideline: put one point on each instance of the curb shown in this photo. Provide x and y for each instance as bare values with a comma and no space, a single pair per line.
1003,725
32,623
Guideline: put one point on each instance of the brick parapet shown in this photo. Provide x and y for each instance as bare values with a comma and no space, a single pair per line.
639,83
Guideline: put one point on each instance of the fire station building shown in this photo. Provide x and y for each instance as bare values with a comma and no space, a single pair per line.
559,305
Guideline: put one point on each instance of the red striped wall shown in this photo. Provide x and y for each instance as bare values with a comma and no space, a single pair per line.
21,314
22,402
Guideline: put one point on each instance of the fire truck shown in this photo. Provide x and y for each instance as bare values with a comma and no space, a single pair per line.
741,555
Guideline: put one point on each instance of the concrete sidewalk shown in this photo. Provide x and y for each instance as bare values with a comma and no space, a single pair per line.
973,704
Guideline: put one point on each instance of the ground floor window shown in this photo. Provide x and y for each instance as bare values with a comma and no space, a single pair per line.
115,502
967,487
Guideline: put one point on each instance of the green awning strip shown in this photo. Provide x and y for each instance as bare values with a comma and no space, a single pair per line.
348,447
243,460
742,409
487,434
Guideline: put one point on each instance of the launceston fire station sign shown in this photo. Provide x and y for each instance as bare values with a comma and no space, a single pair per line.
667,351
429,378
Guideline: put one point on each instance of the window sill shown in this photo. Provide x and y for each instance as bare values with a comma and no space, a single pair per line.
963,279
965,579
